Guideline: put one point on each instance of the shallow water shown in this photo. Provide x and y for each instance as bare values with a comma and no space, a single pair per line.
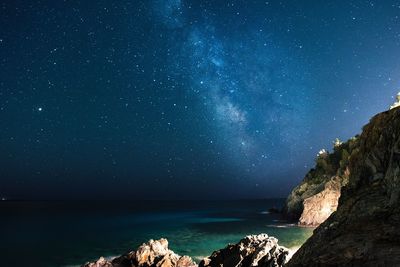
71,233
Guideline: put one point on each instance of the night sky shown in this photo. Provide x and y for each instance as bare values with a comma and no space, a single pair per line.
178,99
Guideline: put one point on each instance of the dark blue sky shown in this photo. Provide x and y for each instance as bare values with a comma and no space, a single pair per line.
185,99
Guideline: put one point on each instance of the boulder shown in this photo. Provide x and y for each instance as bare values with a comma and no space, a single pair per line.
254,250
154,253
101,262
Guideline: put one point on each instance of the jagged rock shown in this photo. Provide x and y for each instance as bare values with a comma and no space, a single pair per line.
186,261
364,229
154,253
254,250
101,262
316,197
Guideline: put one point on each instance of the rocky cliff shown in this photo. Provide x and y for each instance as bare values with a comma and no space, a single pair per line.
316,197
364,229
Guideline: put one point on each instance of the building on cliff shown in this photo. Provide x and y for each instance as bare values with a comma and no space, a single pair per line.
364,229
317,196
397,102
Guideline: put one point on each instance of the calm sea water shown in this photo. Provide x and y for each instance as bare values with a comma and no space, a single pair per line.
71,233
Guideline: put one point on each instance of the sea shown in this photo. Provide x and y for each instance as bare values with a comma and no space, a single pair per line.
70,233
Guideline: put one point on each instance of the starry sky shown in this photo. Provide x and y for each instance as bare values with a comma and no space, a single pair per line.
178,99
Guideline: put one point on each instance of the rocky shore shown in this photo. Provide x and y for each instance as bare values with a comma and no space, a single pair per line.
353,194
254,250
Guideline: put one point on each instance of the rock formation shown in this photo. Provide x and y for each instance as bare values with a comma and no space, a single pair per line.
364,229
254,250
154,253
319,207
316,197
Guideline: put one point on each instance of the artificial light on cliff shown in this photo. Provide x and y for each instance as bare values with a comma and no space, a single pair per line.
397,103
322,153
327,211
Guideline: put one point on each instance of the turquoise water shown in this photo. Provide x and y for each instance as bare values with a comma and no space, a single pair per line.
63,234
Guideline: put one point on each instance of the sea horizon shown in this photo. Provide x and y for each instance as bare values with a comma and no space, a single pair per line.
70,233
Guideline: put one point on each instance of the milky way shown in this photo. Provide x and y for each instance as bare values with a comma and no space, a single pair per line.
252,96
182,98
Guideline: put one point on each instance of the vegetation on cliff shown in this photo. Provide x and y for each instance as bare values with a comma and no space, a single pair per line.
323,182
364,229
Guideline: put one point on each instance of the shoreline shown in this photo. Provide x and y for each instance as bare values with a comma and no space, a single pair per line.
260,249
197,259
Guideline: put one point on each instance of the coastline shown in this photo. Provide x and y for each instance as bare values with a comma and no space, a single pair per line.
255,250
71,234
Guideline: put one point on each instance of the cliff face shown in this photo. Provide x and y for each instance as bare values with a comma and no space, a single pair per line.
314,200
320,206
364,229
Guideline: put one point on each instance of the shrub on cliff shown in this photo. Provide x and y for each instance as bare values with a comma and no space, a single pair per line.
328,166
